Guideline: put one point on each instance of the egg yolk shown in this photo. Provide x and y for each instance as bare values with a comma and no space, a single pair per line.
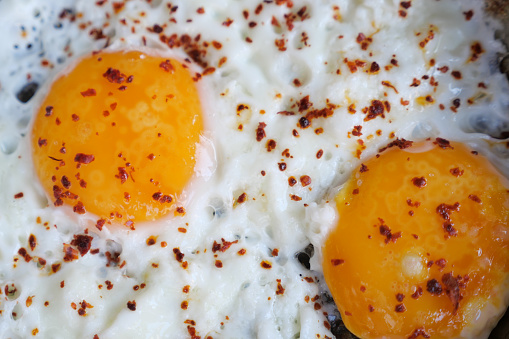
116,136
421,247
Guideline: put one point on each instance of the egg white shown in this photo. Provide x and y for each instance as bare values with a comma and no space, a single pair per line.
239,299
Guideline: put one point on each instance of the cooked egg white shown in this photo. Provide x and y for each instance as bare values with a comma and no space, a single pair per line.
294,96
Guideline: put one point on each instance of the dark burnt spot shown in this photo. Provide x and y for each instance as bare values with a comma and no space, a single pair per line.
304,123
27,92
305,255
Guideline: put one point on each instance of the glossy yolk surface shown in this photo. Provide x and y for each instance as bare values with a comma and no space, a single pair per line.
116,136
421,248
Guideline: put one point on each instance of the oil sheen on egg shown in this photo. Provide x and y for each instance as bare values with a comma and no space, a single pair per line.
429,230
117,136
170,169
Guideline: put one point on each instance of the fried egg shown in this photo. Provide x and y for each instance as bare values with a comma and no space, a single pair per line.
193,169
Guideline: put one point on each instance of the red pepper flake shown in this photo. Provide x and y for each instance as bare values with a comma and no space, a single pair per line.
89,93
444,210
419,182
49,111
242,251
179,256
400,308
474,198
23,252
357,131
295,197
118,6
167,66
18,195
441,263
386,231
219,264
376,109
363,168
456,171
400,297
109,285
456,75
337,262
282,166
413,204
162,198
227,22
65,182
260,132
82,242
32,242
374,68
131,305
468,15
265,264
371,308
280,44
100,223
449,229
418,292
434,287
477,50
452,289
405,4
271,144
122,175
208,70
79,208
415,83
222,247
280,290
242,198
151,240
309,280
56,267
217,45
82,158
443,143
292,181
419,332
114,76
42,142
305,180
388,84
70,253
75,117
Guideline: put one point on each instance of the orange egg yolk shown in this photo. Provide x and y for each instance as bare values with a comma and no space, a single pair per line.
421,247
116,136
